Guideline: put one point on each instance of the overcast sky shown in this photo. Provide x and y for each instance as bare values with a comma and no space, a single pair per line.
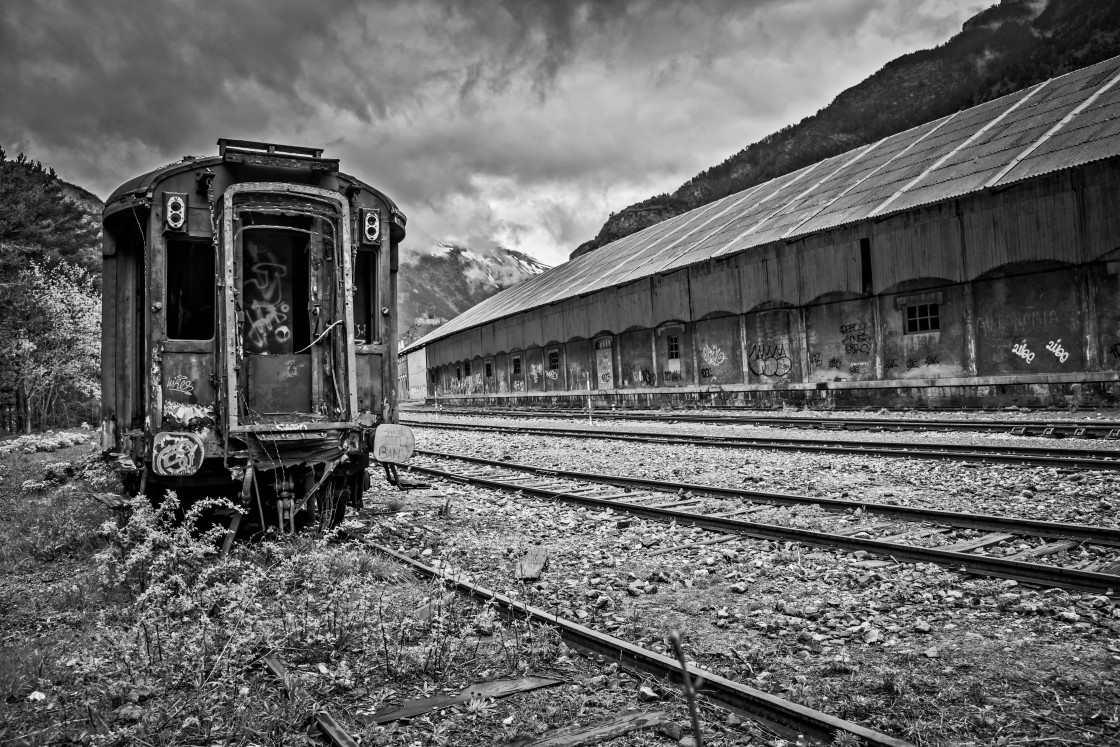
519,123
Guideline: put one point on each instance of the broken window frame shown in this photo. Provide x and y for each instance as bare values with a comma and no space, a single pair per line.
174,277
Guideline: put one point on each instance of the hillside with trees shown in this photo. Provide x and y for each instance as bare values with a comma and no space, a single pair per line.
1007,47
50,296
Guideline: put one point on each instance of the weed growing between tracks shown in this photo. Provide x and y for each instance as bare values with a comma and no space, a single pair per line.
139,634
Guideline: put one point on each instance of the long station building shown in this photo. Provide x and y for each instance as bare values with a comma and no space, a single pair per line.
974,260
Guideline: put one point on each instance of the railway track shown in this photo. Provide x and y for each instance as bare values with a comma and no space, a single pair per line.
1037,427
895,539
1034,456
786,717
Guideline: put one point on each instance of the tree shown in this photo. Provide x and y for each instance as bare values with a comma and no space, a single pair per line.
49,295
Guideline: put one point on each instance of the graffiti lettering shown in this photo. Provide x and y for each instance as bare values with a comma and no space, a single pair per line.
890,363
502,388
536,371
856,339
712,355
769,360
552,374
181,384
854,369
911,364
834,363
814,360
177,454
642,376
706,373
1023,352
1114,351
931,360
1055,347
267,309
519,386
1018,321
605,378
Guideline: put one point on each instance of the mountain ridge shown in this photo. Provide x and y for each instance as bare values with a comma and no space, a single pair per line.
1001,49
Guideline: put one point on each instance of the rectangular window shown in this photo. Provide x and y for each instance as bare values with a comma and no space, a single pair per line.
365,296
190,290
467,368
603,344
553,360
516,365
489,370
923,317
674,347
458,374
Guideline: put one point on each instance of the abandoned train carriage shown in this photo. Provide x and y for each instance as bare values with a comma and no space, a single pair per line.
973,260
249,330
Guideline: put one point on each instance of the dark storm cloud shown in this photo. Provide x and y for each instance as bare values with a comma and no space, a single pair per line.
489,120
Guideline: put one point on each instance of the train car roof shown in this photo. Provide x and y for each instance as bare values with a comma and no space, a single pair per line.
139,189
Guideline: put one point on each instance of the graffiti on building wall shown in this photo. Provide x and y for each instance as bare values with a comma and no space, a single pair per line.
1017,321
855,369
552,374
502,388
834,363
815,361
769,360
1055,347
641,376
1023,351
855,338
890,363
575,372
519,386
712,355
536,371
932,360
1114,351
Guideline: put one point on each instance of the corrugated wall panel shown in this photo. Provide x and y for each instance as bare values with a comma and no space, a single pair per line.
670,297
486,336
922,244
715,288
830,264
1035,222
632,307
552,324
576,322
768,275
531,330
1100,197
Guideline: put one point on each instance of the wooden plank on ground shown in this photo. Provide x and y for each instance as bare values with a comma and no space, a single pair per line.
673,504
992,538
532,563
914,534
716,541
479,691
585,736
1050,548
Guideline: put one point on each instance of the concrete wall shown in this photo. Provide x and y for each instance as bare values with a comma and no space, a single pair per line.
1019,292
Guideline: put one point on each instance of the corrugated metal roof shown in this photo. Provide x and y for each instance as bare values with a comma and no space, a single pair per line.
1061,123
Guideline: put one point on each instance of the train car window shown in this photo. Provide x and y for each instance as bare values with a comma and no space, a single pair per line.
365,300
553,360
190,290
923,317
516,365
274,291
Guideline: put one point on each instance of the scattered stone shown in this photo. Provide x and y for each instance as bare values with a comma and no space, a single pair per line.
646,694
670,729
921,626
739,588
931,652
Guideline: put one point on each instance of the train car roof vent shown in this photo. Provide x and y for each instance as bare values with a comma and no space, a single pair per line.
273,154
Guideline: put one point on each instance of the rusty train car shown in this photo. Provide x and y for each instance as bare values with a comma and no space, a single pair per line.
249,333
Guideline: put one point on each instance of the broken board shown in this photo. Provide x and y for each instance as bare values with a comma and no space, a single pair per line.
478,691
532,564
584,736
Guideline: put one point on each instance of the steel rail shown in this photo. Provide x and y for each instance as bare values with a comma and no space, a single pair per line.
1034,573
1021,455
984,522
1053,428
789,718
